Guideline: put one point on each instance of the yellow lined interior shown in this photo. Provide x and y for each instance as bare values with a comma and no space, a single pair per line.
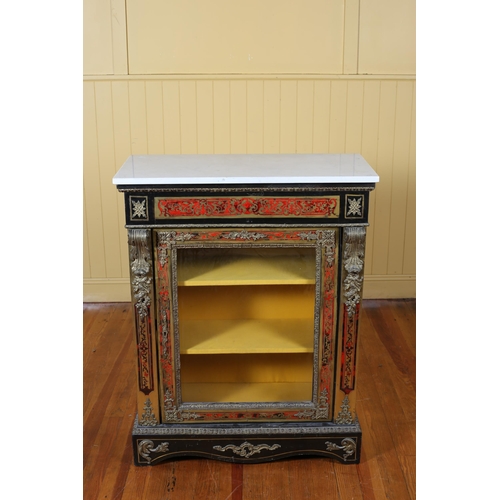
245,266
246,377
246,324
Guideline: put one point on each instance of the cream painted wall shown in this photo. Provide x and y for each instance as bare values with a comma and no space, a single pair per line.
146,92
224,36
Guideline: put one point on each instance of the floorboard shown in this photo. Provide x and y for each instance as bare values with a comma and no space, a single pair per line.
386,405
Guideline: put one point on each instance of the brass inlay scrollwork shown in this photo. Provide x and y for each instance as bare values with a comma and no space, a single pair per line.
318,413
148,417
354,253
141,284
145,448
246,449
139,208
246,206
174,414
140,266
345,416
354,206
348,446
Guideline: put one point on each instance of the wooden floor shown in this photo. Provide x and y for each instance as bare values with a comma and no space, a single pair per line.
386,410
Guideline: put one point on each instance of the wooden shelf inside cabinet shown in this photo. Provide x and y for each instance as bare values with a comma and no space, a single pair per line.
244,267
246,336
256,392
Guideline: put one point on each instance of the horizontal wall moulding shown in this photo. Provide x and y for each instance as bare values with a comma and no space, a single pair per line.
228,76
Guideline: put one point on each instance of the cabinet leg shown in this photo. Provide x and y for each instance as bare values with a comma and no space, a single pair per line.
353,249
141,282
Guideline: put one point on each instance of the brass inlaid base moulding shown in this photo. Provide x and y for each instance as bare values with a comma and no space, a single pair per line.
249,444
326,222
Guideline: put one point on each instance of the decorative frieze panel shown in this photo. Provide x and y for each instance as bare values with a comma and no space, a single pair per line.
148,207
248,206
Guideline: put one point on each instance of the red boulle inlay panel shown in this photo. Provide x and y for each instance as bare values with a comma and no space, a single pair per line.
234,207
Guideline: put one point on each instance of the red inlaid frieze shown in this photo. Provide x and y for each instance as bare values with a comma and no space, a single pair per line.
251,206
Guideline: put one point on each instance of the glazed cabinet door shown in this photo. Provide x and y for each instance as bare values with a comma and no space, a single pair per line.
246,323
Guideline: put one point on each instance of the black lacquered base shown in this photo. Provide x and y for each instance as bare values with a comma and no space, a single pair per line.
244,443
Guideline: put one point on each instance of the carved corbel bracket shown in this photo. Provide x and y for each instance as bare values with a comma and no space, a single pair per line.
141,279
352,285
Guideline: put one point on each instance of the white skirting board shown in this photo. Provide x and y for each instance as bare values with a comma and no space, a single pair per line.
375,287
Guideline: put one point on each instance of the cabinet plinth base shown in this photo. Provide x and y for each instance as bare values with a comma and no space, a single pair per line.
246,443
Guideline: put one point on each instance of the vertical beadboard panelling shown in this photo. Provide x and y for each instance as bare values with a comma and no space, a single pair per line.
410,264
171,116
86,256
288,116
338,110
154,117
255,116
188,116
370,235
321,115
369,148
354,119
138,120
92,186
271,116
222,116
105,143
385,156
238,116
121,122
402,135
305,101
374,117
370,120
121,134
205,116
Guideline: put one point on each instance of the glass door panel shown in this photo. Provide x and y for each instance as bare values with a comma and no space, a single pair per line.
246,324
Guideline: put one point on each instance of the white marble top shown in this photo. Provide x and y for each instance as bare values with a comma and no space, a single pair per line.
245,169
